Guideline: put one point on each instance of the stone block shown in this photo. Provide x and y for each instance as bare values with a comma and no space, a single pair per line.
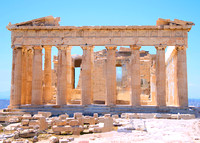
115,116
124,115
63,117
77,130
108,124
145,115
162,116
63,140
3,118
95,115
25,122
1,127
60,122
187,116
107,115
74,123
45,114
81,121
62,128
13,119
43,124
27,116
77,115
53,139
37,116
133,116
34,122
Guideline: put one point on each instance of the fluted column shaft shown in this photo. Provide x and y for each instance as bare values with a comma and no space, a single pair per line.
12,77
47,94
135,76
24,76
37,77
17,77
182,88
160,76
111,75
29,75
87,68
69,73
62,75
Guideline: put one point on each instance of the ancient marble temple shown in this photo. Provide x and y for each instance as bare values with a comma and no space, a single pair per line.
32,86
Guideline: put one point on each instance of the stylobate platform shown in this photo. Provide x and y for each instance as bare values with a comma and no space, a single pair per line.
101,109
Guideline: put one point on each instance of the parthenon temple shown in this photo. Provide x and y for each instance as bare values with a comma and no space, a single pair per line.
148,80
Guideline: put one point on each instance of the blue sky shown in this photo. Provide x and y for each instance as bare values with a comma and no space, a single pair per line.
102,12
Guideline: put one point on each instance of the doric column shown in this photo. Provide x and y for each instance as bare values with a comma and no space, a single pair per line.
12,77
24,76
29,68
182,88
87,68
37,76
17,77
69,73
160,76
62,75
111,76
47,94
135,76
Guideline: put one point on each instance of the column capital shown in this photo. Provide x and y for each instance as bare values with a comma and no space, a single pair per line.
180,47
47,47
135,47
64,47
87,47
17,47
111,47
37,47
160,47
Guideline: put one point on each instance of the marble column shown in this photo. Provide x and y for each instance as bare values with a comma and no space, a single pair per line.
182,87
111,76
37,76
62,75
69,73
29,75
160,76
18,77
12,76
87,69
135,76
47,94
24,76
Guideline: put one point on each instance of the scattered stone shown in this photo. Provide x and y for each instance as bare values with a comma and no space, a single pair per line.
25,122
29,133
77,115
43,124
54,139
63,141
95,115
71,139
1,127
45,114
35,139
27,116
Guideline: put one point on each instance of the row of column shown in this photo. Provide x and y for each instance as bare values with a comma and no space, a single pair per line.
27,75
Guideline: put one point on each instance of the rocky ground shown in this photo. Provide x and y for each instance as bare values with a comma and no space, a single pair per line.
131,127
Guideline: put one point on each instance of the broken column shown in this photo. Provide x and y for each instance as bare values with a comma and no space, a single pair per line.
111,75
